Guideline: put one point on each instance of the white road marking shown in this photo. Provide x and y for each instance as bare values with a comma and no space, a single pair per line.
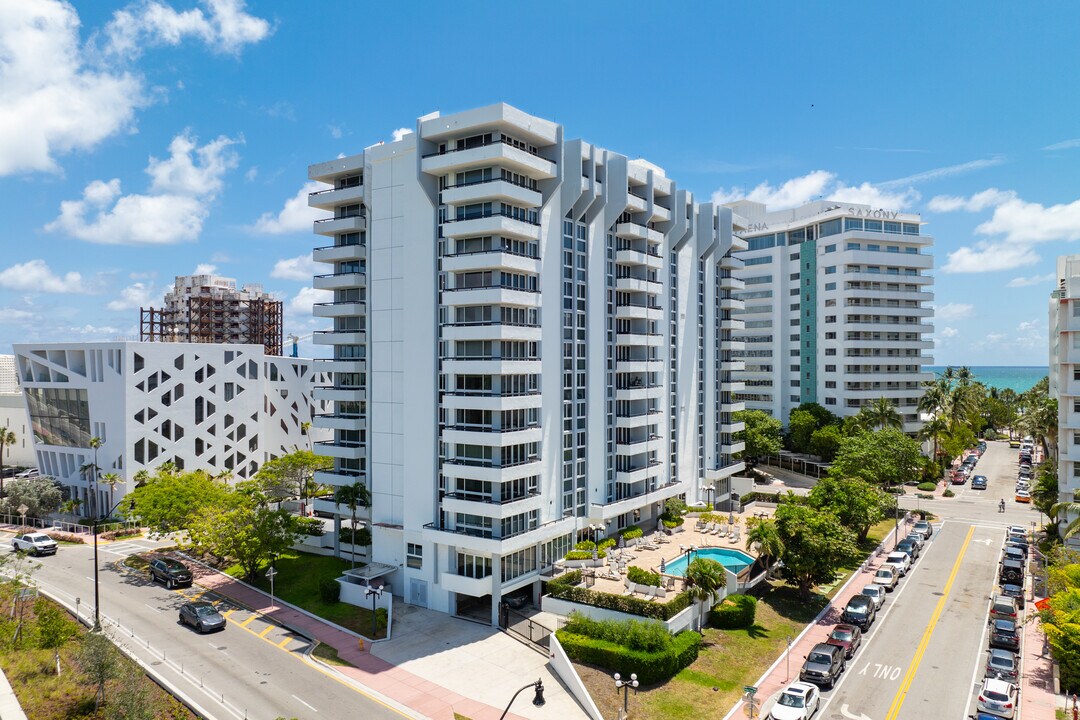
88,578
983,646
152,607
852,716
303,703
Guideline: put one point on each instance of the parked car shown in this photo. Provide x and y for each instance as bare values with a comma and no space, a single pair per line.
1018,530
35,543
202,616
1012,552
1023,496
861,611
32,472
798,701
900,561
1002,664
924,528
887,578
1018,540
172,573
960,476
1003,634
1022,486
1003,607
823,665
908,548
876,593
978,482
1016,592
918,539
1011,571
845,636
1021,548
998,697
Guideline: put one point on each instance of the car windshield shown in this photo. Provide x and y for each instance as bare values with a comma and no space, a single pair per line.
1001,661
790,700
204,610
818,657
842,635
1005,627
871,590
883,573
39,538
995,696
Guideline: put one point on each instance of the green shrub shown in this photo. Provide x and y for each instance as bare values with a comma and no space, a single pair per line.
360,536
329,590
670,522
928,486
631,532
565,587
948,493
606,543
736,611
584,554
381,617
111,535
642,577
648,635
651,667
310,526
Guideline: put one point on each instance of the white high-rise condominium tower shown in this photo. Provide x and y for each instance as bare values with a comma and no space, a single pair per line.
1065,377
531,340
835,308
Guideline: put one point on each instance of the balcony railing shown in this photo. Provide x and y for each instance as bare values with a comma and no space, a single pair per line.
334,247
518,183
342,217
465,427
335,189
341,443
503,140
493,393
494,213
480,497
496,286
470,462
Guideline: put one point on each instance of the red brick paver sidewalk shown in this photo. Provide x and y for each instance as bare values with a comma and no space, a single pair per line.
1037,698
422,697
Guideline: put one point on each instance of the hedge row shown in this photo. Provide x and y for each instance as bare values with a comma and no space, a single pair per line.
565,587
736,611
647,635
763,497
631,532
651,667
115,534
642,577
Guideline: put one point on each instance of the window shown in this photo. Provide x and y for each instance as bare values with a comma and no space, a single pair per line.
830,401
763,260
830,248
473,566
1076,470
830,286
414,555
1076,405
830,269
831,227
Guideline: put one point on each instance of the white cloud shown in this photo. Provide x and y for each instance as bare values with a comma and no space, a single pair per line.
948,171
976,203
817,185
1028,222
36,276
220,257
205,269
300,268
135,296
989,257
51,102
949,332
954,311
15,316
294,217
1064,145
225,28
1033,280
401,132
335,131
300,305
251,174
183,185
1027,325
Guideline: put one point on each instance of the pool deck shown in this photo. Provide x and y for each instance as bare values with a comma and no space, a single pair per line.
652,548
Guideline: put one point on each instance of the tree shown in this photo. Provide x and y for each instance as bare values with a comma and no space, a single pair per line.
133,700
934,430
761,434
291,475
825,442
885,457
95,444
71,507
167,501
1044,495
41,496
97,658
765,537
801,427
112,480
54,629
705,578
353,495
857,504
7,439
816,545
882,414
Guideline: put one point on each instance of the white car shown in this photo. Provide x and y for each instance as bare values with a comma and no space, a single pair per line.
900,561
886,577
34,544
998,697
798,701
1017,530
1023,485
876,593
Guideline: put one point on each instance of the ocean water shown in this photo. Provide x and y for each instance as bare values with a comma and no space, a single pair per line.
1001,376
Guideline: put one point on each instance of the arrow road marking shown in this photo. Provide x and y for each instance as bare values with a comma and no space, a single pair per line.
851,716
984,541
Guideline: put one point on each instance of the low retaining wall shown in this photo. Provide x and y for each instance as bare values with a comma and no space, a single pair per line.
683,621
564,669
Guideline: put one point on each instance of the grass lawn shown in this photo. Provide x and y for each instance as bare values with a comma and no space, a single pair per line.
873,539
297,582
329,655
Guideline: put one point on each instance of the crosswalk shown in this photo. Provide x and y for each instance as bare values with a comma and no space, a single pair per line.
125,548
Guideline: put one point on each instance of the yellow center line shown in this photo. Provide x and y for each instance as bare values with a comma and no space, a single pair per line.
909,677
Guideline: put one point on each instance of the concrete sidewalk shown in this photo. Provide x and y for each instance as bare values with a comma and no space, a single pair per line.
10,709
1037,698
399,687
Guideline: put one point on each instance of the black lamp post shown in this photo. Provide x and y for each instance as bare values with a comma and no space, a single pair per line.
625,686
374,593
538,697
97,611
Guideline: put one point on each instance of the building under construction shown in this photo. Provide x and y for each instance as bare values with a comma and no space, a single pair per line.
209,309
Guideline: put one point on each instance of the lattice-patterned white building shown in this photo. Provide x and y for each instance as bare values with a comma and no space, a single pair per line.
13,416
200,406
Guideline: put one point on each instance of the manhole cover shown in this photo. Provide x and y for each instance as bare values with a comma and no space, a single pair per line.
223,647
156,662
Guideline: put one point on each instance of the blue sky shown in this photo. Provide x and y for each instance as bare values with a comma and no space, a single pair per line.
143,140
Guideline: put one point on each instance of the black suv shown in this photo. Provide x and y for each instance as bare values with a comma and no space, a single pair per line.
1012,572
860,611
823,665
172,573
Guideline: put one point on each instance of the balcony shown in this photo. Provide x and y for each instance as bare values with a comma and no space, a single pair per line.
491,295
327,505
635,284
473,587
642,392
642,419
339,477
329,365
888,278
639,312
435,533
493,259
339,253
731,283
495,189
336,226
724,471
339,281
638,474
882,342
732,448
490,366
491,437
454,401
642,365
497,152
476,505
603,512
339,337
459,469
333,421
731,262
341,449
493,224
639,339
330,198
636,257
730,345
636,231
339,394
338,309
921,261
730,303
491,331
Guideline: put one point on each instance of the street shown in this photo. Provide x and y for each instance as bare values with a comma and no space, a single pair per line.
252,669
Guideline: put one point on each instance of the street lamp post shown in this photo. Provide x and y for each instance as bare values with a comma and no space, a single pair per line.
709,490
270,576
625,686
787,660
538,697
375,593
97,597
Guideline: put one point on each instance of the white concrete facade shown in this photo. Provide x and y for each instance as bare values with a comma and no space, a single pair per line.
1064,378
546,327
835,308
200,406
13,417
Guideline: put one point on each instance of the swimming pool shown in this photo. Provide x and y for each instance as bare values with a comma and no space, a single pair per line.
734,560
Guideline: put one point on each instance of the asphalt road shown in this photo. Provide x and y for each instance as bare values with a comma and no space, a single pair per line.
252,669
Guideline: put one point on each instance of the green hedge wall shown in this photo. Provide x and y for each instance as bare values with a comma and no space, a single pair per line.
736,611
642,577
651,667
565,587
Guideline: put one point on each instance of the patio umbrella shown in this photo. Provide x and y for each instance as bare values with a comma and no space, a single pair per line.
663,565
594,554
621,543
730,518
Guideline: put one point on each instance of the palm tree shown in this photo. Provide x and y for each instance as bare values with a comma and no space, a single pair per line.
7,439
141,477
934,429
353,495
706,578
112,480
1061,511
882,414
167,468
765,538
71,507
305,428
95,443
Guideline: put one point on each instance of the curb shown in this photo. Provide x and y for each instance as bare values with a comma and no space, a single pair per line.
404,710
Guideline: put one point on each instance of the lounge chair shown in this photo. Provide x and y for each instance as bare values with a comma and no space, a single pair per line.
735,536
